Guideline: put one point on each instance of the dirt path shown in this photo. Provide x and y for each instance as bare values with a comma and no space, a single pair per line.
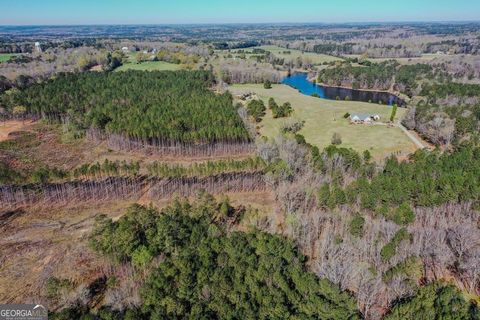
419,143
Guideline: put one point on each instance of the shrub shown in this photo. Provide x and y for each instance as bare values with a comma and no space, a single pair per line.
336,139
256,109
389,250
394,112
403,214
356,225
267,84
292,126
55,286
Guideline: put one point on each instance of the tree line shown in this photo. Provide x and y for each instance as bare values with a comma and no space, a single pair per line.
428,179
380,76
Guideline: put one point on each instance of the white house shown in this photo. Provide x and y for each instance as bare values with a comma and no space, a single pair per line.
363,118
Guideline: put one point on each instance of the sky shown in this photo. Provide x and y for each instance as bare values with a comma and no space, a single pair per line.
40,12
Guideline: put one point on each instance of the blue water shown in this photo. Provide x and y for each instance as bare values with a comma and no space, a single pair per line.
300,82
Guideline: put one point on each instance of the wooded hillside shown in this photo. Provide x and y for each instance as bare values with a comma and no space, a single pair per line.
152,106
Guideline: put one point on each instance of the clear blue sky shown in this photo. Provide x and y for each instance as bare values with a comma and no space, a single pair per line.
222,11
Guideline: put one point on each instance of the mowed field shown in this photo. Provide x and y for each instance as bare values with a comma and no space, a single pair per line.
424,58
293,54
325,117
316,58
149,66
5,56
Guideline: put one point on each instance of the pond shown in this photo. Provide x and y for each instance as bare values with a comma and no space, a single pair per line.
300,82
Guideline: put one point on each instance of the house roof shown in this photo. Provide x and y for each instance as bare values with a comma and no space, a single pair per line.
360,116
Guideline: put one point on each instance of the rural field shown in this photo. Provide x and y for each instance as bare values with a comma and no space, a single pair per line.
325,117
293,54
149,66
5,56
424,58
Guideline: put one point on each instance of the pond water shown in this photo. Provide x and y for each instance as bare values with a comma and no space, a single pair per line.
300,82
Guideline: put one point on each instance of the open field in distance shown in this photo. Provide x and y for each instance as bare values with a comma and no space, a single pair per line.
149,66
293,54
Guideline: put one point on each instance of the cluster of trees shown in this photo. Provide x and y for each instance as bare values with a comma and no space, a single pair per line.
207,272
247,71
429,179
346,243
205,168
380,76
435,301
165,106
116,168
442,90
389,250
281,111
177,57
334,49
256,109
451,112
442,125
107,168
235,45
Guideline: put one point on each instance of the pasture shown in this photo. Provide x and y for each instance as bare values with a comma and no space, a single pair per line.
5,56
291,54
325,117
424,58
149,66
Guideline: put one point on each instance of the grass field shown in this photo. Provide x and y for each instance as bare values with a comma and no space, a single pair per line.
424,58
324,117
5,56
149,66
294,54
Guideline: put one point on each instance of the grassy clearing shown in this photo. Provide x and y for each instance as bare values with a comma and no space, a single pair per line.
424,58
294,54
5,56
280,52
324,117
149,66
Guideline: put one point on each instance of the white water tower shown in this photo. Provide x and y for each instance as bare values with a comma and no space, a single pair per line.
38,47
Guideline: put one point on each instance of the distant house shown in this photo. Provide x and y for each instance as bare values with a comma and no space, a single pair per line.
363,117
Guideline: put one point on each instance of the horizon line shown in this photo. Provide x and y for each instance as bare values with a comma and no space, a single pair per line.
240,23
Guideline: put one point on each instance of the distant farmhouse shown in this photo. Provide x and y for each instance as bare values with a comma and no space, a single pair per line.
363,118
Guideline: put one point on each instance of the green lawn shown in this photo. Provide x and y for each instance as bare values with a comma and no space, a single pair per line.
149,66
324,117
5,56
